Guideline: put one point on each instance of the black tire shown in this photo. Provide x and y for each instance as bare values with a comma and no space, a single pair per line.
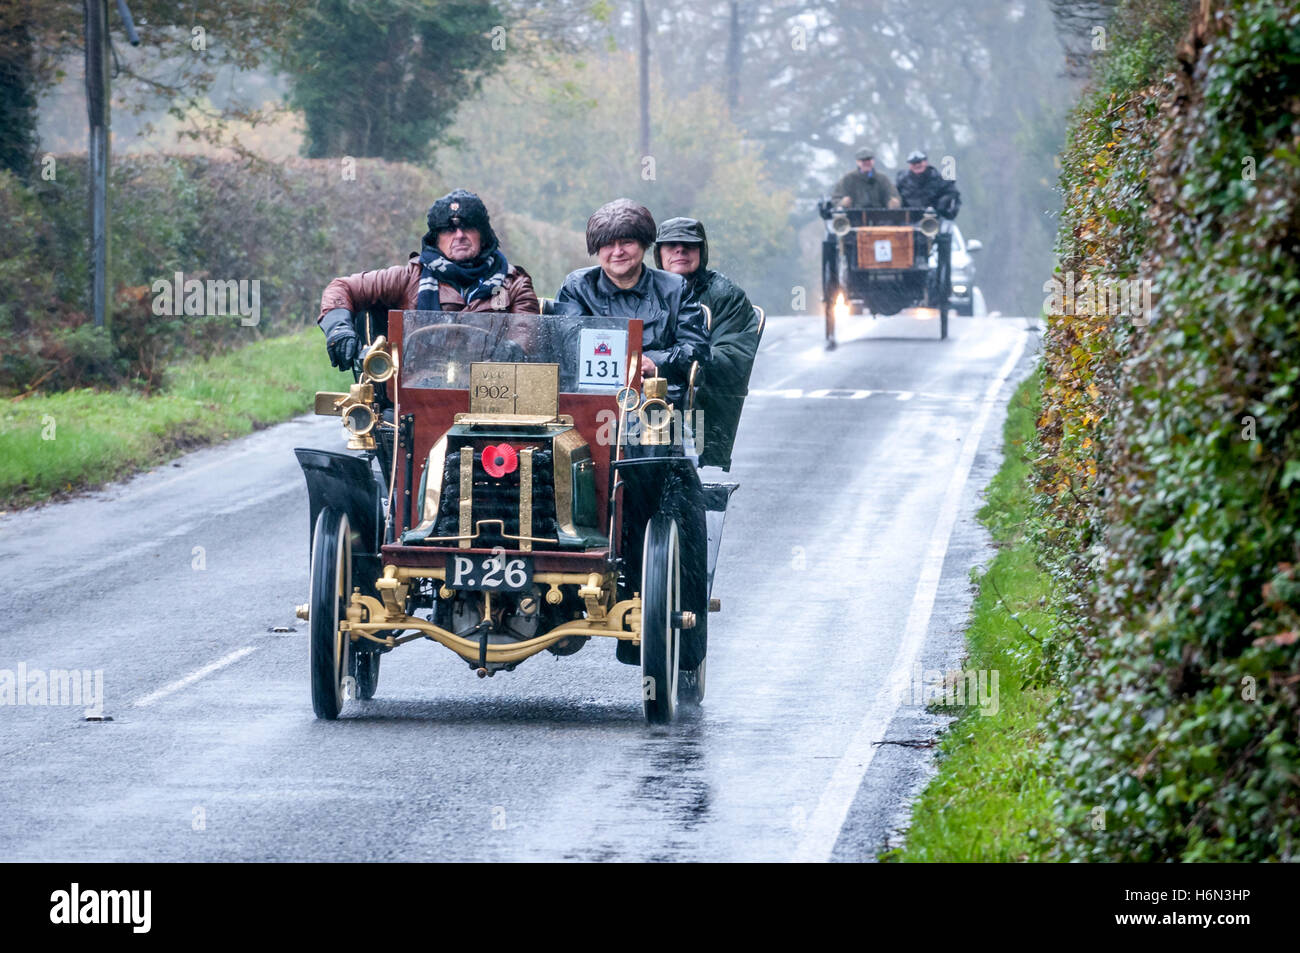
363,666
331,575
690,685
661,601
944,282
830,288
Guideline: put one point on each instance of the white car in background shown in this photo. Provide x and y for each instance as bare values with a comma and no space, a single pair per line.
964,293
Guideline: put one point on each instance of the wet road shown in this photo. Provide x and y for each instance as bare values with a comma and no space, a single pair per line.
845,564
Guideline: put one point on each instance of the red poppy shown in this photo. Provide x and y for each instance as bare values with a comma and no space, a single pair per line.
500,460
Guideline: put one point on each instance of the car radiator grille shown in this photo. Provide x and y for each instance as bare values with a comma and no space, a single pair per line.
498,498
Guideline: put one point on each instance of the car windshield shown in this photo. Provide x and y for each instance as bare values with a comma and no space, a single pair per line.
438,347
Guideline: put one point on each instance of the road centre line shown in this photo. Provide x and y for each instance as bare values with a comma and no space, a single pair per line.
193,677
823,827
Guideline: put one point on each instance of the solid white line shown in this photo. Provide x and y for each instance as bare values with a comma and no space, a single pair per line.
823,828
193,677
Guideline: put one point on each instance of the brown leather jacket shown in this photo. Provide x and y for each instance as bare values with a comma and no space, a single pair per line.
397,287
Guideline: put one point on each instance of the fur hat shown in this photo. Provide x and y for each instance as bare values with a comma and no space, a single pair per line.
463,208
621,218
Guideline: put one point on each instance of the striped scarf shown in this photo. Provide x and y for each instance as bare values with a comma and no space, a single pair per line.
479,277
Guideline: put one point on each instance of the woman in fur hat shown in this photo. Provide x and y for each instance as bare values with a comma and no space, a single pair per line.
619,233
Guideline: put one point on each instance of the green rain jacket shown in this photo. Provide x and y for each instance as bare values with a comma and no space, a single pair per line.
733,343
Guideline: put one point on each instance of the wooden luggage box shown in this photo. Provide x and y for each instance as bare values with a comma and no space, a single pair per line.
884,246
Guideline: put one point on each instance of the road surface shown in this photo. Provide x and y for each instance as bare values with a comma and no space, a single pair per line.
845,565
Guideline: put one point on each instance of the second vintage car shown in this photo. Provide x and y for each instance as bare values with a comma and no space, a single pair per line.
883,260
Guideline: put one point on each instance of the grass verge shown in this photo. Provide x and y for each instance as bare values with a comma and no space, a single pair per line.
53,444
990,800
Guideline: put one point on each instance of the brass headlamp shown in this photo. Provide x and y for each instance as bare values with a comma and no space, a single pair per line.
379,364
659,432
357,406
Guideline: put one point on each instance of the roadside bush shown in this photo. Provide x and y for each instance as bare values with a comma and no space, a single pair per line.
291,227
1177,737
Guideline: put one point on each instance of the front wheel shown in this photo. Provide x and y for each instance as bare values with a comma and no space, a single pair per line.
830,289
331,573
944,282
661,607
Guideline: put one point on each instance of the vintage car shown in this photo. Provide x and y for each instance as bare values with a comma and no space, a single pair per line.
882,260
533,493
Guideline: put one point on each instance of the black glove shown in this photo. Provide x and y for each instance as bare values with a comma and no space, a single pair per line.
341,343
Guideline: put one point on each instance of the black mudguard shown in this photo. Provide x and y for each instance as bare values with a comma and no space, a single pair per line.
347,483
716,497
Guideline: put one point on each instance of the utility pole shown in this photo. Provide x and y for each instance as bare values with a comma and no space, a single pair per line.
98,54
733,59
643,64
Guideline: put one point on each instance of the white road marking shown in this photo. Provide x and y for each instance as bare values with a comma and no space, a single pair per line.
849,393
844,393
193,677
823,828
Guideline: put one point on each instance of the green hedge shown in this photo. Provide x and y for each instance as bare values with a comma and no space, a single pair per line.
1169,450
292,227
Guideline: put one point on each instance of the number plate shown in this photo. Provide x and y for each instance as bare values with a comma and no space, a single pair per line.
602,355
497,571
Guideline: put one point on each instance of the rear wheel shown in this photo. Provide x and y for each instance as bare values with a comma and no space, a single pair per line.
661,606
331,573
690,685
364,668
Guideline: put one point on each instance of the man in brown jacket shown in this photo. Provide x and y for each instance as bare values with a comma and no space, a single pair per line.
459,268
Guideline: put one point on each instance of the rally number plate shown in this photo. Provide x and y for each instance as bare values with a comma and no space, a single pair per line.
497,572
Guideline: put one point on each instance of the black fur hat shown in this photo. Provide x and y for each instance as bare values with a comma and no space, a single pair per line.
621,218
463,208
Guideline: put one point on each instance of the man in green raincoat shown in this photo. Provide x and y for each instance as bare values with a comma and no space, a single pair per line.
682,248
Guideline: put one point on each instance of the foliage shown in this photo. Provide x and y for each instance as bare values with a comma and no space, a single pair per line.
1167,450
17,94
555,144
382,78
292,228
185,50
976,81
